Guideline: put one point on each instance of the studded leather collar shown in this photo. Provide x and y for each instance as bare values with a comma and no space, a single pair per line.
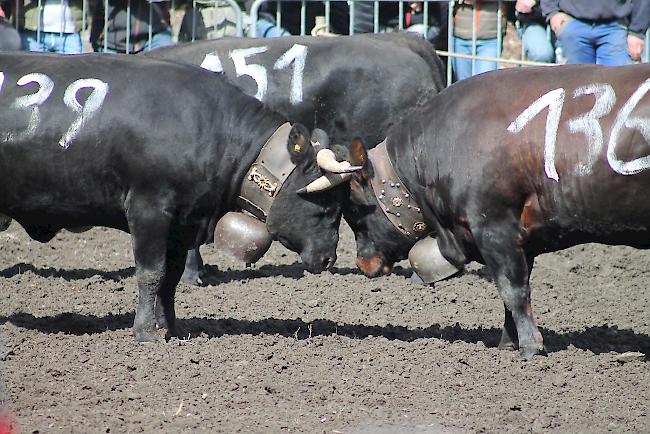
266,175
396,202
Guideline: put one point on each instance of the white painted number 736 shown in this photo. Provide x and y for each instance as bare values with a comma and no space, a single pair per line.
589,125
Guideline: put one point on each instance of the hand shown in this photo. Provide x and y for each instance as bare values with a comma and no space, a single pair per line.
558,20
415,7
525,6
634,46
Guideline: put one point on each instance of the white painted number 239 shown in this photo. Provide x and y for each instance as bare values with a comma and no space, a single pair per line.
32,102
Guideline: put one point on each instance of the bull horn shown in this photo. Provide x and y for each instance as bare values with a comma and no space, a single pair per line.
327,161
325,182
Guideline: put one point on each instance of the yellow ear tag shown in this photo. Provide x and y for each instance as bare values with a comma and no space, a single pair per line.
297,148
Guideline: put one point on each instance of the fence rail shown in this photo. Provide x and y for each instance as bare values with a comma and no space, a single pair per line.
245,23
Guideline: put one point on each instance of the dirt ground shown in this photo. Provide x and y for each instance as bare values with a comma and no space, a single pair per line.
276,349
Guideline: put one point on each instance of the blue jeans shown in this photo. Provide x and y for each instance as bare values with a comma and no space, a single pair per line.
484,47
536,44
599,43
160,39
266,29
53,42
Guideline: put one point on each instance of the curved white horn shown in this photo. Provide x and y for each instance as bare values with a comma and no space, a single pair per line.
327,161
325,182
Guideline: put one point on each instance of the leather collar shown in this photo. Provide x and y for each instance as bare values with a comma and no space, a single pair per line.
267,174
396,202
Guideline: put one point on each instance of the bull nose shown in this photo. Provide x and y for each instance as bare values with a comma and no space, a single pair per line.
322,264
374,267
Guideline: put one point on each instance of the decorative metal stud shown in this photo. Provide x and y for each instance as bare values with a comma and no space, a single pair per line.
419,226
407,195
398,214
397,201
383,181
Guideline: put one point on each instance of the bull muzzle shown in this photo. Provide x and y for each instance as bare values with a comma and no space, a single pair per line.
374,266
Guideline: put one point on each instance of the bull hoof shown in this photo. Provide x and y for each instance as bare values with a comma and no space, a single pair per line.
142,335
528,352
507,346
194,280
175,332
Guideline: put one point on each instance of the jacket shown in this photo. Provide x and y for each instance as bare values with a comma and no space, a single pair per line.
486,20
634,13
138,24
27,14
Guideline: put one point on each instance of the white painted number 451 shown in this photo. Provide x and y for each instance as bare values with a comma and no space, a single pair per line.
295,55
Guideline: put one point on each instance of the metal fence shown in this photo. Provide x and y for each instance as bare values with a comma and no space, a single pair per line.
249,20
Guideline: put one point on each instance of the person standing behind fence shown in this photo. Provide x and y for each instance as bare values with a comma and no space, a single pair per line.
604,32
9,37
51,26
130,33
483,16
534,39
210,19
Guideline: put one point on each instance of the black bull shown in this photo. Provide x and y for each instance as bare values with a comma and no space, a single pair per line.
349,86
104,141
503,176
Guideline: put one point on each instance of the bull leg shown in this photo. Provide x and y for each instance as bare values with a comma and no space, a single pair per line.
175,264
509,336
4,222
193,268
149,232
510,266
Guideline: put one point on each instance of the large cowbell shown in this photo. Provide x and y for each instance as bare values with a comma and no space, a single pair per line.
428,263
243,237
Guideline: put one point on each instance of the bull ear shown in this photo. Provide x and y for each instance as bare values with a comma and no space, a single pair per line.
299,146
319,139
358,154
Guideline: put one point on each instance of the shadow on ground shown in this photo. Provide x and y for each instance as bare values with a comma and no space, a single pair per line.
597,339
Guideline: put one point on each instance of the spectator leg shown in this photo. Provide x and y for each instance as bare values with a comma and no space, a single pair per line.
161,39
462,67
486,48
536,44
612,44
29,41
70,44
577,42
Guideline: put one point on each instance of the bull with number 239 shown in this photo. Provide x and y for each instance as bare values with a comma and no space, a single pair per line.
500,177
98,140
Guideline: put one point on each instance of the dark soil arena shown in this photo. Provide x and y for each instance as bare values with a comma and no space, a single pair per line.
275,349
